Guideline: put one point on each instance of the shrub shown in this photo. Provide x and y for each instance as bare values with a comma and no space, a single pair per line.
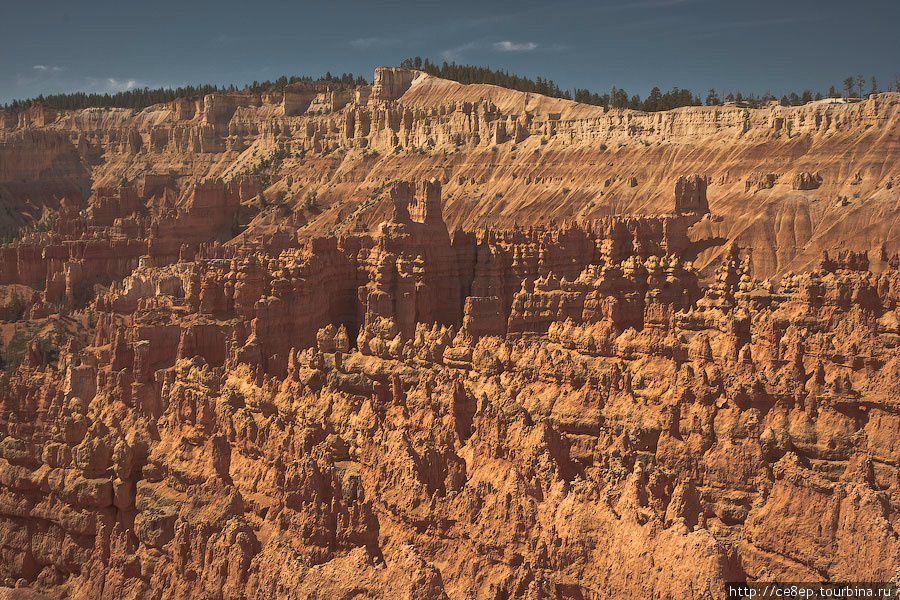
18,303
14,353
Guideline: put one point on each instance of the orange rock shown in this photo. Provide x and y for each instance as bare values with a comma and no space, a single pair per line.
608,406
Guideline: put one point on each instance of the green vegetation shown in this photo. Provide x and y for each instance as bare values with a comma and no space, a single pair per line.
13,355
13,233
236,228
615,98
18,303
473,74
144,97
49,345
373,195
310,202
618,98
265,169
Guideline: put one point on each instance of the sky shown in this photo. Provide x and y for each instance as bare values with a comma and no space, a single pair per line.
748,46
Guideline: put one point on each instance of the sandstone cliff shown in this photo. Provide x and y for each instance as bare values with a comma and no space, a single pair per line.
550,412
347,349
788,181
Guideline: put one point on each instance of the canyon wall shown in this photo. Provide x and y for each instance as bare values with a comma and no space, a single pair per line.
445,341
547,412
789,182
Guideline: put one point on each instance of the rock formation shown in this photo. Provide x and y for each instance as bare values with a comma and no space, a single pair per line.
690,194
504,158
204,393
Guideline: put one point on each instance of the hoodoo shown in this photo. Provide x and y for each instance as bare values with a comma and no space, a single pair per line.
431,340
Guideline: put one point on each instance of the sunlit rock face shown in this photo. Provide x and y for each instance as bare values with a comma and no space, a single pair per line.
383,388
779,177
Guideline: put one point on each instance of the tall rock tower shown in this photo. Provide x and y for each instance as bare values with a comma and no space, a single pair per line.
690,194
427,208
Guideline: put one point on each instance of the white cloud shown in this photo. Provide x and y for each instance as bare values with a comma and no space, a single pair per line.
48,79
507,46
372,42
454,53
119,85
106,85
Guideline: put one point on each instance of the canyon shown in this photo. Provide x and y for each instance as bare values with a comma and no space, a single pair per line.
453,341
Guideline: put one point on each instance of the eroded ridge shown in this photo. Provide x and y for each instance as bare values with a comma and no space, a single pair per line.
790,182
561,411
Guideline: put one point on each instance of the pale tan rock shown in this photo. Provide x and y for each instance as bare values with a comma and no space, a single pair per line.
598,406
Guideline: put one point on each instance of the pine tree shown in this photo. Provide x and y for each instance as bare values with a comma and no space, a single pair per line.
653,100
657,100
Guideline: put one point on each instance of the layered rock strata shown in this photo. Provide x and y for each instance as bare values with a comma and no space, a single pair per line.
790,182
557,411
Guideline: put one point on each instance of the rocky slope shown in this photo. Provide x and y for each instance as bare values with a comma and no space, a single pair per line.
203,397
789,182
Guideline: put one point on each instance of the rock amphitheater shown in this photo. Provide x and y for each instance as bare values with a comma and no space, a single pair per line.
428,340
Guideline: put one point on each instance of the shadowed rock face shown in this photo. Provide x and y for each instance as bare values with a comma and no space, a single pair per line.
690,194
789,182
561,410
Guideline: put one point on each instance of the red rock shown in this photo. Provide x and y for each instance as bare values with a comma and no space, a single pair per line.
608,407
690,194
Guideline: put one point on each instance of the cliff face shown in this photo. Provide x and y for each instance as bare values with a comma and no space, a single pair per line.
788,182
499,413
210,385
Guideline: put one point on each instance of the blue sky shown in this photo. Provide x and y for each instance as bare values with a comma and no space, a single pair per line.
744,46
